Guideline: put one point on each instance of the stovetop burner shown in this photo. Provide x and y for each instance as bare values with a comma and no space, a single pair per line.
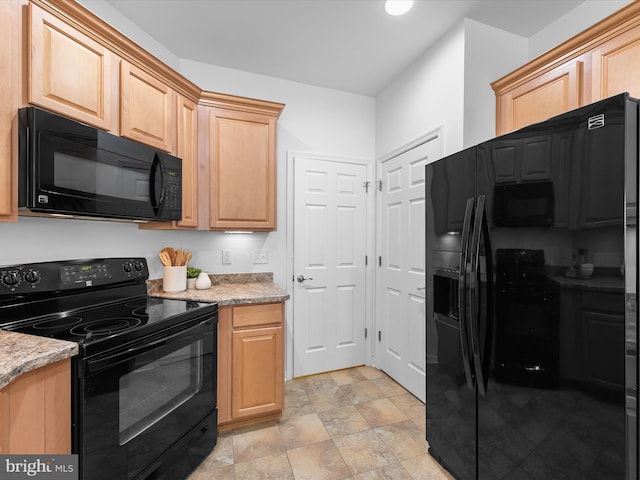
107,326
57,323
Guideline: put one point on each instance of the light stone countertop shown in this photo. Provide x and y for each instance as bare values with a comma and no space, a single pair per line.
230,289
20,353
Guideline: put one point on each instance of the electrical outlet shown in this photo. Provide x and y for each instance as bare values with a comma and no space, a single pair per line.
226,256
260,256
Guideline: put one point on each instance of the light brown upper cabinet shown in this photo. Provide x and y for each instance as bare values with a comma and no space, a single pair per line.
148,109
593,65
615,66
542,97
187,150
69,73
241,145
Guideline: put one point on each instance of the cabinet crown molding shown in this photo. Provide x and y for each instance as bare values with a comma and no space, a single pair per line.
232,102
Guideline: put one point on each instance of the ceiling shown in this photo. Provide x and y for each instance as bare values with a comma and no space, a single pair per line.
350,45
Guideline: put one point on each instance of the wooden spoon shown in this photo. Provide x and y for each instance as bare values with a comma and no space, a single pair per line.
165,259
172,255
187,257
179,258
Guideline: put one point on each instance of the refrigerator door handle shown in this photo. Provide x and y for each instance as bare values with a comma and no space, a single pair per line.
481,353
462,293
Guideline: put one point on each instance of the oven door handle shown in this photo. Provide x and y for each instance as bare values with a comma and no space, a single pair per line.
100,362
462,294
481,350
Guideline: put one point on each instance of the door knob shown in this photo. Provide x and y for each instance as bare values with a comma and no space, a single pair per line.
301,278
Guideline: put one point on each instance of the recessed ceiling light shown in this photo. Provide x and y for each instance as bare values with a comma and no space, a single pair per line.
397,7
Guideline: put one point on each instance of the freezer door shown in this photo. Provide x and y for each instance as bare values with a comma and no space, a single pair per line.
451,396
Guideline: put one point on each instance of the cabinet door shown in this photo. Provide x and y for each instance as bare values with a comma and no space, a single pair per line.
554,92
147,109
69,73
35,412
243,170
258,381
615,66
187,150
8,80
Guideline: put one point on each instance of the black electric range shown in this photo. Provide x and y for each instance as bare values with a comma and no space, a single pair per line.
144,381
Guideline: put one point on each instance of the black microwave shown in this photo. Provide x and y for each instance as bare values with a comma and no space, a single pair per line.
69,168
523,205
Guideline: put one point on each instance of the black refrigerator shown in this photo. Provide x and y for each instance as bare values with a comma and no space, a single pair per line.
531,260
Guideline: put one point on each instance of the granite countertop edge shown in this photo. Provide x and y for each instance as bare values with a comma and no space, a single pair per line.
21,353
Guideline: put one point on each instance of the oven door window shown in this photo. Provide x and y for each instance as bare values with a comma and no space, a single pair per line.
156,388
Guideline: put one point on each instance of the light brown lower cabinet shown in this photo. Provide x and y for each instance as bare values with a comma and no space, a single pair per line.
250,363
35,412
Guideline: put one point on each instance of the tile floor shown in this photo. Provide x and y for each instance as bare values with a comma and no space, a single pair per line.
349,424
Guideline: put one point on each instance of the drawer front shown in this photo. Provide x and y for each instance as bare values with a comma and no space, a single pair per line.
255,315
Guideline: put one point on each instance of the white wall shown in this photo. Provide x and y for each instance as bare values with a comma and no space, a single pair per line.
490,54
450,86
427,95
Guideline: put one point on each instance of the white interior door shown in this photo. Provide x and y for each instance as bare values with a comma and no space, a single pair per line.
400,319
329,293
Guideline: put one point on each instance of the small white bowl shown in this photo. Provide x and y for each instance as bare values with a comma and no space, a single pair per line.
586,270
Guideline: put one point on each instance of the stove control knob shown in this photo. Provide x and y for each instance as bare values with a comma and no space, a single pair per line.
32,276
127,267
10,279
139,266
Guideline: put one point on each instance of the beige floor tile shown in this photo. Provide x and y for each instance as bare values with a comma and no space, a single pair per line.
381,412
364,451
411,406
348,376
421,422
343,421
353,424
370,372
296,403
394,471
257,443
404,439
302,430
388,387
327,398
362,392
274,467
425,467
220,473
320,461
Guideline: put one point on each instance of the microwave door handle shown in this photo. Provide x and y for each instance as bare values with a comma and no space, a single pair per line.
462,293
156,200
480,228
